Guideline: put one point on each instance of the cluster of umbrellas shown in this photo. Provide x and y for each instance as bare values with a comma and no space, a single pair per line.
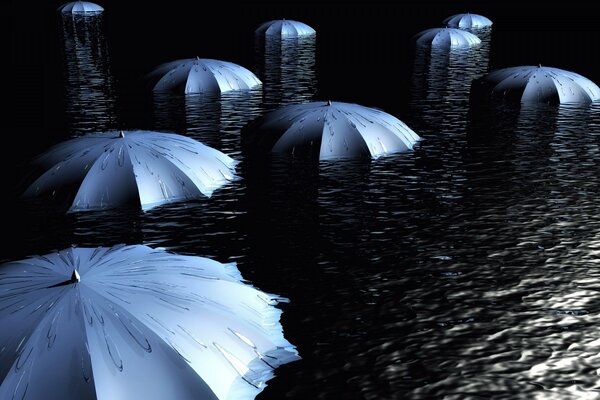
131,321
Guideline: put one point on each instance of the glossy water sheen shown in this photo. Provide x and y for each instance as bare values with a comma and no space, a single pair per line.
464,269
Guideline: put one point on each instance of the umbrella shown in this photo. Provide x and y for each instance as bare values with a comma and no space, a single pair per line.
531,84
468,21
132,322
285,29
202,75
80,7
149,168
332,129
447,38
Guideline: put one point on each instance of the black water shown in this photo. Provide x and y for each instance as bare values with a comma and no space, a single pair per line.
467,269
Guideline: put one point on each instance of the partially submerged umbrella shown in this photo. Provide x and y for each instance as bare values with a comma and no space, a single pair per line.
447,38
468,21
330,130
80,7
149,168
285,29
132,322
202,75
531,84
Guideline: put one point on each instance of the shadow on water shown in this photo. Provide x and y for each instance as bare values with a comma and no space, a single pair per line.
89,83
213,119
287,68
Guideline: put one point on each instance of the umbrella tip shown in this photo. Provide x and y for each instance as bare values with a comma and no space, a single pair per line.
75,278
121,134
328,102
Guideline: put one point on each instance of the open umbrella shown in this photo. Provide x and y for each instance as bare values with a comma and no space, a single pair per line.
447,38
132,322
284,29
531,84
329,130
201,75
149,168
80,7
468,21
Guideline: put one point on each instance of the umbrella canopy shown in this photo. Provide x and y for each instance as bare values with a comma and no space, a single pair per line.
285,29
447,38
331,130
468,21
80,7
202,75
132,322
531,84
150,168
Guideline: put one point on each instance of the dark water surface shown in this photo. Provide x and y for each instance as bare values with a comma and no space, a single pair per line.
466,269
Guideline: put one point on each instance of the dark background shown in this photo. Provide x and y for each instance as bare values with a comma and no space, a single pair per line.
364,55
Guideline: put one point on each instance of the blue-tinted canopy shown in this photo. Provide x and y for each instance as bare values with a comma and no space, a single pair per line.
468,21
202,75
330,130
285,29
132,322
447,38
80,7
531,84
141,167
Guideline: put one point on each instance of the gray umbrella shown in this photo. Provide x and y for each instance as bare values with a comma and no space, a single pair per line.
283,28
531,84
80,7
447,38
149,168
202,75
468,21
331,130
131,322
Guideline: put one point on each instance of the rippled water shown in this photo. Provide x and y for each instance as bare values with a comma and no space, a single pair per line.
467,269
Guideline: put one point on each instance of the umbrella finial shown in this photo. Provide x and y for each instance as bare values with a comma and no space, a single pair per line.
121,134
328,102
75,278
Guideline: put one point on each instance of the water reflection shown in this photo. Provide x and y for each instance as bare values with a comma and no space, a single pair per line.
213,119
90,88
287,68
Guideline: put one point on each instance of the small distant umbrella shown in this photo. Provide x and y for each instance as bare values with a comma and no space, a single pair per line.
149,168
468,21
531,84
202,75
132,322
80,7
285,29
447,38
331,130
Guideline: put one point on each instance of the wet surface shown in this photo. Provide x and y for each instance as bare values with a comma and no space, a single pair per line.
466,269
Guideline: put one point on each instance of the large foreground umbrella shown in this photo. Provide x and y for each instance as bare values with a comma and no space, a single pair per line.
80,7
149,168
282,28
468,21
202,75
330,130
447,38
531,84
131,322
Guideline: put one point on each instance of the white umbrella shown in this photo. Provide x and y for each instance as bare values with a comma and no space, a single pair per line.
468,21
80,7
149,168
531,84
285,29
202,75
131,322
330,130
447,38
